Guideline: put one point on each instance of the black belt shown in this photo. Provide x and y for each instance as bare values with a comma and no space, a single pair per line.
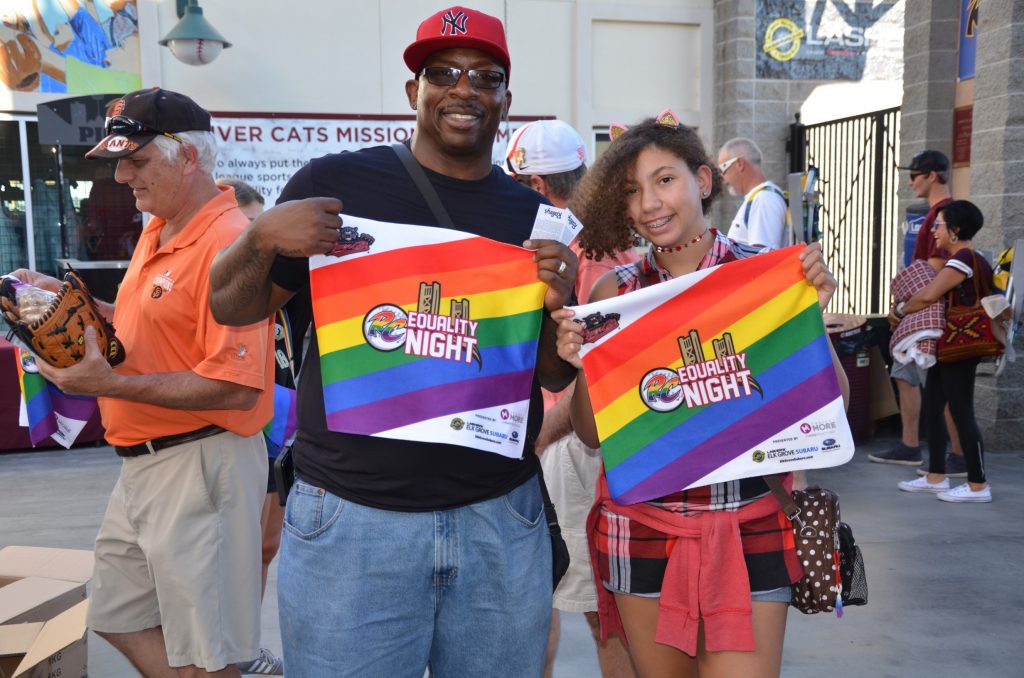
152,446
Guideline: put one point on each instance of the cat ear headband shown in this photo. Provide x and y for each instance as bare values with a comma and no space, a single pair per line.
667,117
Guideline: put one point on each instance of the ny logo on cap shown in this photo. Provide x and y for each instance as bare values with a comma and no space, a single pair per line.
457,23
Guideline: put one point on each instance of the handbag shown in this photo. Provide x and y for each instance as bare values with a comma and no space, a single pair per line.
969,332
833,566
559,551
851,569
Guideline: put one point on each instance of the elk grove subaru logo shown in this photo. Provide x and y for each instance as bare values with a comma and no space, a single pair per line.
457,424
828,441
384,327
758,456
829,444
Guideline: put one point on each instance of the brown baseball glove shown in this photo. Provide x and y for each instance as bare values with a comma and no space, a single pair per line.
57,335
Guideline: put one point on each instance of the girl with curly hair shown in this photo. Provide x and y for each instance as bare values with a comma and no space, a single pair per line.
657,181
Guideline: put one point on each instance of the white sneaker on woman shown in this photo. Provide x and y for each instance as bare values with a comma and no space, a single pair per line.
964,493
922,485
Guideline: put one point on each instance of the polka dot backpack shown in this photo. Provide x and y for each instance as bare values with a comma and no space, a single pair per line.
816,531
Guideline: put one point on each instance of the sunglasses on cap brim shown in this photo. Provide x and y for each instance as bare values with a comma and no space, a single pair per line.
124,126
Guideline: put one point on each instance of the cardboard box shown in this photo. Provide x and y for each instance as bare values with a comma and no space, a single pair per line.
36,584
37,561
53,649
42,612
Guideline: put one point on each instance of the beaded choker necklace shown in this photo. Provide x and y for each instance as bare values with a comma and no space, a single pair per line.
679,248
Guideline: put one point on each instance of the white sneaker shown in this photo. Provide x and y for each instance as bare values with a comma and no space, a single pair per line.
964,493
922,485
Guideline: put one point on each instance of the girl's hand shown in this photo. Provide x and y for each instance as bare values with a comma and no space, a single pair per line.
569,337
817,273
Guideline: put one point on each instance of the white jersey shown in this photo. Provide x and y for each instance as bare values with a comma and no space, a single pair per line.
761,219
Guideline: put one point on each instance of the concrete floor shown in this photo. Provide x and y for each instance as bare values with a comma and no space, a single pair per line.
945,580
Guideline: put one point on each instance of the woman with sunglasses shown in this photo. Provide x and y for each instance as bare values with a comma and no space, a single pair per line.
657,181
968,275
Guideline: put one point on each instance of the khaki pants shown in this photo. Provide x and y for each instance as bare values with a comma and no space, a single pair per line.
180,548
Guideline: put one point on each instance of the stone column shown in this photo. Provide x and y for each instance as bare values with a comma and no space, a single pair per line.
734,86
997,187
929,84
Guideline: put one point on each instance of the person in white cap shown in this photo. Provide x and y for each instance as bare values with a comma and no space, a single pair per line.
549,156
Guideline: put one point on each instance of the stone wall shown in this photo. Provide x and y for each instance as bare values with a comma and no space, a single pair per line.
997,187
745,106
760,109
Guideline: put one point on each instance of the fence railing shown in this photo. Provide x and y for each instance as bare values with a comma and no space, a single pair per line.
856,159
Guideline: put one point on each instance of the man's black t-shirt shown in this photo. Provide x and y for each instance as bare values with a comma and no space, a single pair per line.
381,472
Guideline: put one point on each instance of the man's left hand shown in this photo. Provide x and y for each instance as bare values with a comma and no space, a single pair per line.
91,376
556,265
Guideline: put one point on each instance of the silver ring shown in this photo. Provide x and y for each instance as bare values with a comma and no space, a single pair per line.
561,267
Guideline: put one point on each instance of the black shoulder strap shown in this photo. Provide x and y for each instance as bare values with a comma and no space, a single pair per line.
419,177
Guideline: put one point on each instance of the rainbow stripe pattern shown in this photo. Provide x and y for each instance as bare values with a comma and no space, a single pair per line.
722,374
284,422
47,411
427,334
280,429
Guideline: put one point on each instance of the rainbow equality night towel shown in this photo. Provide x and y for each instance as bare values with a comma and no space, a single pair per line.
47,411
427,334
718,375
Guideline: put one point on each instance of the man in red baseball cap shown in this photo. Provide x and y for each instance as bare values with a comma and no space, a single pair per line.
401,554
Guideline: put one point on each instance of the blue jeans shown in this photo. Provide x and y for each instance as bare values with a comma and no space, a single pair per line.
367,592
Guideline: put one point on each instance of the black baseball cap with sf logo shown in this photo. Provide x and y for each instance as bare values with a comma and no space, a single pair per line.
139,117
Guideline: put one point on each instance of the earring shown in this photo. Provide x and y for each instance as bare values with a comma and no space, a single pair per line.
705,194
953,237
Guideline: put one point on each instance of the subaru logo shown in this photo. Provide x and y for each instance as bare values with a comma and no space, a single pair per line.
829,441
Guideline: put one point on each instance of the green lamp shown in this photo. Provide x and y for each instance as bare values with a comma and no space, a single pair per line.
193,40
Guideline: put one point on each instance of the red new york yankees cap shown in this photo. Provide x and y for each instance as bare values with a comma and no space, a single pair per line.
458,27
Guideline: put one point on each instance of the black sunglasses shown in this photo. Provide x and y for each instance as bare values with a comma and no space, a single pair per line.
125,127
446,76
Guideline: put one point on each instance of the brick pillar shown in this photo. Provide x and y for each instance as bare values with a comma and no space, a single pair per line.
997,187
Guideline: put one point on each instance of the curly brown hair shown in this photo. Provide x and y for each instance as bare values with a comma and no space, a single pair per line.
600,200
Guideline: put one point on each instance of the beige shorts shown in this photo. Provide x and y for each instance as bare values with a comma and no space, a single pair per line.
571,470
180,548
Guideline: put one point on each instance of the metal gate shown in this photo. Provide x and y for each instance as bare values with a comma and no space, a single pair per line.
856,159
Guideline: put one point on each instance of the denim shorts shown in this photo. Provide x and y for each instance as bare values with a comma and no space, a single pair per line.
779,595
908,372
368,592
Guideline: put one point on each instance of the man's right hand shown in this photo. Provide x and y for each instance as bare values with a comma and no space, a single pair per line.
299,228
